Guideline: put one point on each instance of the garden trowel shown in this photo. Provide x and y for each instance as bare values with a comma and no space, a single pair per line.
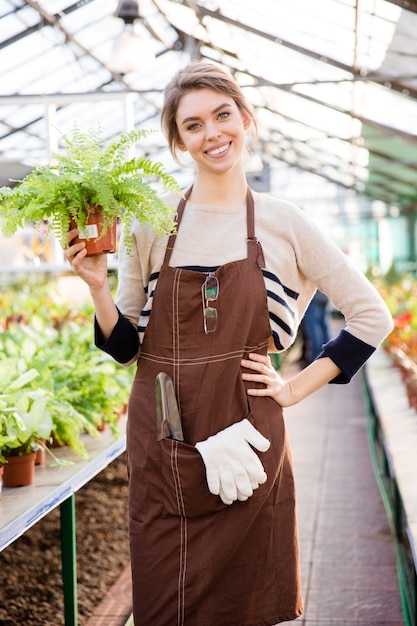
168,421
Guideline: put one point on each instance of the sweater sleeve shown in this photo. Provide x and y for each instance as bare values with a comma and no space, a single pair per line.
367,320
326,267
122,344
349,353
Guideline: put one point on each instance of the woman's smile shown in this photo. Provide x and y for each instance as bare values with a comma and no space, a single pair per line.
218,150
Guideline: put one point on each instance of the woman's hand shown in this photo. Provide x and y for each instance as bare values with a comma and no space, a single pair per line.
286,392
264,372
92,269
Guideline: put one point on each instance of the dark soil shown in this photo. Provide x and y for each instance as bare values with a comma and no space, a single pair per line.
31,591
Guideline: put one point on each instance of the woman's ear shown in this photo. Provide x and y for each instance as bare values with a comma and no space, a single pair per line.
246,121
179,145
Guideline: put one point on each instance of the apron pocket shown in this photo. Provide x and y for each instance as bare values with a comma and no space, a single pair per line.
185,491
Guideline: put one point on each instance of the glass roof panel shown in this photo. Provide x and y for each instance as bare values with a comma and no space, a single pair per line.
333,82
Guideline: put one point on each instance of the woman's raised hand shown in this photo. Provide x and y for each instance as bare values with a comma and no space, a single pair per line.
92,269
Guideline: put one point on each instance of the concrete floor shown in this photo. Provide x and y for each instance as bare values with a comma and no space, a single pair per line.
347,554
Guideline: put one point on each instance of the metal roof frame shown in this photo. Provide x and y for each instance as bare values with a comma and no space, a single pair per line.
360,149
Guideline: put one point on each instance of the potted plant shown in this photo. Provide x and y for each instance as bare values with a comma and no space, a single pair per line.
91,178
60,359
24,420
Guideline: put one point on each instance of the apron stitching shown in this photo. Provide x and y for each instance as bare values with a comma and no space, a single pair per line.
198,360
182,570
177,478
175,325
183,522
258,346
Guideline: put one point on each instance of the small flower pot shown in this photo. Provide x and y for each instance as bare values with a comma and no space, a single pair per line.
40,458
19,471
95,241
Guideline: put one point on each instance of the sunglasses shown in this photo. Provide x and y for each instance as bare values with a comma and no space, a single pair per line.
210,292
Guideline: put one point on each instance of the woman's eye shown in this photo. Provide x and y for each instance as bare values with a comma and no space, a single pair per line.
224,114
192,126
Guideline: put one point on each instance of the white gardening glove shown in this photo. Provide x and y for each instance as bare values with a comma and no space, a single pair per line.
233,469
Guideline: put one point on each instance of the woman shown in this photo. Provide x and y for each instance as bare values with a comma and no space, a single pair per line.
212,518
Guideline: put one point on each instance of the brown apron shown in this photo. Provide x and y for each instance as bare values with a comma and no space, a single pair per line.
195,560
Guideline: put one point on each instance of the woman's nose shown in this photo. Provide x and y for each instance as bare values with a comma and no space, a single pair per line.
212,132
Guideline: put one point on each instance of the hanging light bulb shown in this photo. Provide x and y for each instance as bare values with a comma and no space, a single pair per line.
133,48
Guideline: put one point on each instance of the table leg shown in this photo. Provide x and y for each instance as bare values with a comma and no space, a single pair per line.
69,560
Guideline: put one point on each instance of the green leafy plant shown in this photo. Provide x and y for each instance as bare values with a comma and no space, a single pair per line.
24,418
90,174
84,388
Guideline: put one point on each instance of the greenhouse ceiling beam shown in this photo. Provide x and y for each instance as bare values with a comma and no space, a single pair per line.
395,83
387,185
357,188
54,20
386,160
41,23
389,130
65,98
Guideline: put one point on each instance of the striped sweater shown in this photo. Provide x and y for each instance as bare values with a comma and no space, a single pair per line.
299,258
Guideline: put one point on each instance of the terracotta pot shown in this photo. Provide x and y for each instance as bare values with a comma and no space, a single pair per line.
19,471
97,244
40,458
102,426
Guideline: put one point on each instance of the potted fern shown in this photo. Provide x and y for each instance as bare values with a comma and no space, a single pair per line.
91,185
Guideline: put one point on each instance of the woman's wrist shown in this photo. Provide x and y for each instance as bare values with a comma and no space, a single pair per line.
313,377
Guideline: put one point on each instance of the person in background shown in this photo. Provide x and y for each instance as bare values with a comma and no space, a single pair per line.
212,517
315,327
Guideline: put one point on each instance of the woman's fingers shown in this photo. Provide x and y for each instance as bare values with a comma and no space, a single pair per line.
76,251
71,251
71,235
263,372
257,362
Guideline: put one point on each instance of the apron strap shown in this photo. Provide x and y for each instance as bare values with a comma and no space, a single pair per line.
254,247
255,251
178,217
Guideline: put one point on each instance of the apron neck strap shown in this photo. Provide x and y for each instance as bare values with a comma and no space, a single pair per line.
178,217
255,251
254,247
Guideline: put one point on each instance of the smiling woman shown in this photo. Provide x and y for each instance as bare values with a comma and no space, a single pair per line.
214,137
225,99
213,526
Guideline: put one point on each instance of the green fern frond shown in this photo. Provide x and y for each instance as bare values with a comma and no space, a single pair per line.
89,172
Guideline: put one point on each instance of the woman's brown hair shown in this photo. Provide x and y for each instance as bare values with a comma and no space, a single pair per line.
197,75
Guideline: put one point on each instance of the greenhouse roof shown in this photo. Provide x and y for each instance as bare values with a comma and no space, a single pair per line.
333,82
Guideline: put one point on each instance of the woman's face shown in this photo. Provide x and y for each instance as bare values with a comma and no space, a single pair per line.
212,129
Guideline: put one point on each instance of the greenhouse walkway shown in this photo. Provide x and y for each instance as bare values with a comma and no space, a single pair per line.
347,552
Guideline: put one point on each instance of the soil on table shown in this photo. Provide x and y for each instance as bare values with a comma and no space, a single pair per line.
31,590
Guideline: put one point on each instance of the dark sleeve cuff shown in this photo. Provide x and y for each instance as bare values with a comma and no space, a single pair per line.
349,353
123,343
